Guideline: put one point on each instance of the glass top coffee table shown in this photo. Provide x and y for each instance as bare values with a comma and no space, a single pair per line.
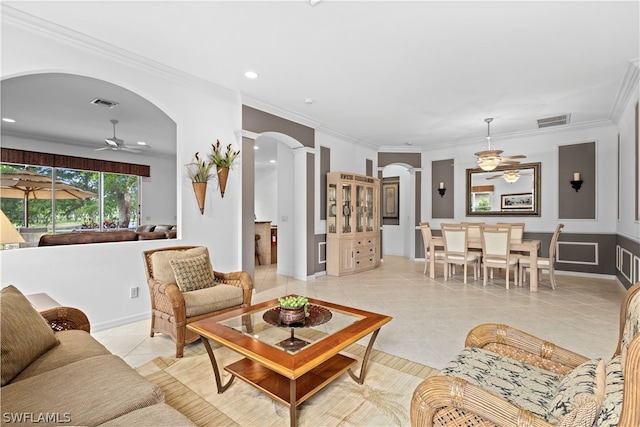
289,364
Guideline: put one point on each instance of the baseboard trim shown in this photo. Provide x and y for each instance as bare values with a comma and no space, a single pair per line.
97,327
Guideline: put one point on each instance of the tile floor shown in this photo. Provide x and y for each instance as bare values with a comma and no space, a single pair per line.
431,317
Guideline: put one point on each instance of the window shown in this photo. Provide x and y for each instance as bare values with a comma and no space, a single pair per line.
60,200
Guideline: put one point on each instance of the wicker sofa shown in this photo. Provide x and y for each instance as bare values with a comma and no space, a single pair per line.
506,377
66,377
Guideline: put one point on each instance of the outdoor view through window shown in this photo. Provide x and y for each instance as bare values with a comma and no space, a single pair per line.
41,200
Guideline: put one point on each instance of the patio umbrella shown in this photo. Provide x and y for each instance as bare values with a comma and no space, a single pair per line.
27,185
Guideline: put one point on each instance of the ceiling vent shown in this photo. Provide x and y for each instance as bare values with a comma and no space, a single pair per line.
104,103
554,121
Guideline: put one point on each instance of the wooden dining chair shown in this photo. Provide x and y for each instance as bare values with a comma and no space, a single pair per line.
517,230
427,236
456,251
543,263
474,233
496,241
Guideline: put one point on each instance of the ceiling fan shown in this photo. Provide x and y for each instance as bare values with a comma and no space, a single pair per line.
490,158
510,176
116,144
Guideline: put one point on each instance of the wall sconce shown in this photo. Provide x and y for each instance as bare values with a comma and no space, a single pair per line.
441,189
577,182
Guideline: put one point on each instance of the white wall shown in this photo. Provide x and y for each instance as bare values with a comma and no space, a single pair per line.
627,225
541,146
97,278
397,239
266,193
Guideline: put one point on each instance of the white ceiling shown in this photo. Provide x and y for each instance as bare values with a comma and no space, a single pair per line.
388,73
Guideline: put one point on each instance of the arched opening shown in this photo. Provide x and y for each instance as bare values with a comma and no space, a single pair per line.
398,234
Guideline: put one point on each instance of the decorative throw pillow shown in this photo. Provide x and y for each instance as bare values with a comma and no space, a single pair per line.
580,393
612,402
162,270
192,273
24,333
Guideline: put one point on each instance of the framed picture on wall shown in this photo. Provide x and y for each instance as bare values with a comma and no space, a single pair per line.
390,200
516,201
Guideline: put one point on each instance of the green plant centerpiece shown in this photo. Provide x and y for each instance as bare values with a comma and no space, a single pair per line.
293,309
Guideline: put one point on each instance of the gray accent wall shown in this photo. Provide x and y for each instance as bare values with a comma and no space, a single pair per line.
258,121
311,241
325,168
586,253
577,158
411,159
442,207
627,263
248,200
419,246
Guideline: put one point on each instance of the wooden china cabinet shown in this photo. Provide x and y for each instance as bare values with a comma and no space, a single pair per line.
353,225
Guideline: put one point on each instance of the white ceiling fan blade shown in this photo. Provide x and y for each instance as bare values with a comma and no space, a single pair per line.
101,149
130,150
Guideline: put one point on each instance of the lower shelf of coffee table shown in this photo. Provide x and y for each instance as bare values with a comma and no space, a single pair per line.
278,386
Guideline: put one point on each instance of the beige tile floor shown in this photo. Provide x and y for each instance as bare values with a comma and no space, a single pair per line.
431,317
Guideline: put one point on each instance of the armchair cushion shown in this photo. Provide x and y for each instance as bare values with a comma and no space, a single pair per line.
612,402
523,385
579,396
192,273
212,299
162,270
24,335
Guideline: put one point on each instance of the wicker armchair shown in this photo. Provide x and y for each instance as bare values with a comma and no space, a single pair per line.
170,313
445,400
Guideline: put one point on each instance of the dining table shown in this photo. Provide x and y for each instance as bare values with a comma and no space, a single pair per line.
529,246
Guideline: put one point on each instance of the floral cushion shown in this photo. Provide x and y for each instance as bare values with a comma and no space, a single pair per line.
579,397
522,385
631,326
612,403
192,273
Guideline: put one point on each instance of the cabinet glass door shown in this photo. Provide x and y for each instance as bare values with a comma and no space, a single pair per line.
369,210
332,207
360,208
346,208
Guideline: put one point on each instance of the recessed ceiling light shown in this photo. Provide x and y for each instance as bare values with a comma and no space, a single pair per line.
255,147
272,161
251,75
8,120
142,143
308,101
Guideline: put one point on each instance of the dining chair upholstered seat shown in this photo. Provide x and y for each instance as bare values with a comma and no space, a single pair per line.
543,263
456,250
496,252
427,236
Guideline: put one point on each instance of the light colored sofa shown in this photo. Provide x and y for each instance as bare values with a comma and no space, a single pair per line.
67,377
506,377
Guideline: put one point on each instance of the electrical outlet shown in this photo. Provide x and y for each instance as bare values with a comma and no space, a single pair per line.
133,292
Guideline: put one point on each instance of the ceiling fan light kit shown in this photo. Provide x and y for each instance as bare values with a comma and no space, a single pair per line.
489,157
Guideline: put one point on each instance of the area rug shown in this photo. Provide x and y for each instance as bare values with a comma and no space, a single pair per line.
383,400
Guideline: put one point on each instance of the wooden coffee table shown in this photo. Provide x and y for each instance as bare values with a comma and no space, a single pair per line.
289,373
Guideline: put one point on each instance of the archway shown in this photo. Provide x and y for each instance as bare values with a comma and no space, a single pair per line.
295,215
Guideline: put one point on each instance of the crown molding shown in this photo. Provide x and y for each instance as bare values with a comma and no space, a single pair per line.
82,41
628,88
513,135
